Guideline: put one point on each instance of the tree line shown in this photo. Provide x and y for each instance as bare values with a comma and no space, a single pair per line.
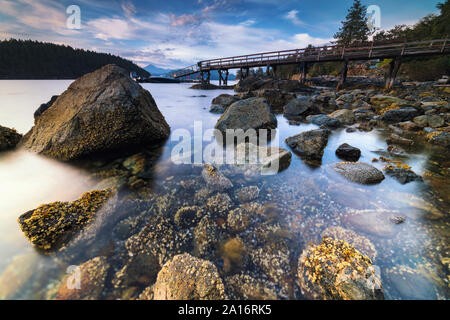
28,59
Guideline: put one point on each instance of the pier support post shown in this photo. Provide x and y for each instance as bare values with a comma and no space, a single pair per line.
343,76
226,78
274,72
220,77
202,78
208,77
303,72
394,66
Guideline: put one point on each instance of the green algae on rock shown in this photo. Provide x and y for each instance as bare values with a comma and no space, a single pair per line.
334,270
52,224
9,138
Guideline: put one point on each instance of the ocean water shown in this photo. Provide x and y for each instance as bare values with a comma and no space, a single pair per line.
309,199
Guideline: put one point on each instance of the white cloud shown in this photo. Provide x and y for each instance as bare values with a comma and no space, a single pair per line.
292,16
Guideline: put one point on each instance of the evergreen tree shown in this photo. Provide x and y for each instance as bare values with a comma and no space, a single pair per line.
355,27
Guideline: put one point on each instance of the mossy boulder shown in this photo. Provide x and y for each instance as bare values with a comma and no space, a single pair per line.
334,270
51,225
9,138
188,278
100,112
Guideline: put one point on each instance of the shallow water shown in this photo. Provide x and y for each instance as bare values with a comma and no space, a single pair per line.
308,199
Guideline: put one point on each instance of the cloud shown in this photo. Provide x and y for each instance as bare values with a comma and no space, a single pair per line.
292,16
184,19
128,8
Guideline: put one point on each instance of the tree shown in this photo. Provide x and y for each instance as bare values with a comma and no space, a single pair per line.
355,27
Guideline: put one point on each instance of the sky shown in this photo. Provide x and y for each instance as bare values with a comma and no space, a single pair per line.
178,33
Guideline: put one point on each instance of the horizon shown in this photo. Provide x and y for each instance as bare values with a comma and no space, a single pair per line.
175,34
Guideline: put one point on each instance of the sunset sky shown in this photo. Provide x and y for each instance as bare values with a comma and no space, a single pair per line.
175,33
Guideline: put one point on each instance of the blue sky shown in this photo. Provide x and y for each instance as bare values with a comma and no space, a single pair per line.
176,33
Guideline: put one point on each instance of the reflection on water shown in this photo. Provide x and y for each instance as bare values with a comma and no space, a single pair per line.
307,200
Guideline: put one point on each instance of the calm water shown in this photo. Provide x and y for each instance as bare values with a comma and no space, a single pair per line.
309,199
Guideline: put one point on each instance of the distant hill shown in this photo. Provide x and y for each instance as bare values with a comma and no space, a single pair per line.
156,71
27,59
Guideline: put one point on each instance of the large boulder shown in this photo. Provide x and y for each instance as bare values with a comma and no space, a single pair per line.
44,107
51,225
335,270
220,103
345,116
276,98
188,278
310,144
101,111
252,113
300,107
9,138
400,115
359,172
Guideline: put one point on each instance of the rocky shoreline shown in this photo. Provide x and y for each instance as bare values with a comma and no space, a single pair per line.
223,231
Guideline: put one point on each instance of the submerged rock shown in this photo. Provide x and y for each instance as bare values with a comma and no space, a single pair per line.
9,138
359,172
247,194
334,270
396,139
347,152
188,278
252,113
402,175
215,180
92,276
52,224
310,144
102,111
243,286
17,274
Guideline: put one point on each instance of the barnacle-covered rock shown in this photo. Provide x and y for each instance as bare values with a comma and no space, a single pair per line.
246,287
188,278
334,270
9,138
52,224
215,180
86,281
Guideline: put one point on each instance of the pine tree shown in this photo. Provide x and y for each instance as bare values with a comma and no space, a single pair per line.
355,27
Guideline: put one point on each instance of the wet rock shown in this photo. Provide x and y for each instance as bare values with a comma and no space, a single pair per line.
396,139
381,100
254,160
224,100
238,219
398,219
139,270
360,243
300,107
345,116
188,278
276,98
17,274
347,152
245,287
324,120
92,280
421,120
78,124
217,109
400,115
214,179
402,175
135,163
9,138
51,225
359,172
219,204
256,83
186,217
310,144
147,294
409,126
440,138
44,107
247,194
334,270
435,121
207,237
252,113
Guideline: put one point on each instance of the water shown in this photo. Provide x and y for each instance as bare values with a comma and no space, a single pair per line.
308,199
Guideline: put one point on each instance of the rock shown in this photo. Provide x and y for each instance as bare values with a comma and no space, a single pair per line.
396,139
207,236
238,219
345,116
204,86
234,255
217,109
300,107
252,113
410,126
247,194
214,179
440,138
51,225
400,115
359,172
102,111
435,121
310,144
407,283
324,120
44,107
334,270
245,287
224,100
17,274
135,163
256,83
92,275
9,138
360,243
219,204
187,217
140,269
276,98
188,278
421,120
347,152
373,222
380,100
253,160
402,175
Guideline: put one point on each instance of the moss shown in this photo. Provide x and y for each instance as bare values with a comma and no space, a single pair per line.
50,223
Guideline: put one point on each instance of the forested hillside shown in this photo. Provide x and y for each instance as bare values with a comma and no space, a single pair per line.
27,59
